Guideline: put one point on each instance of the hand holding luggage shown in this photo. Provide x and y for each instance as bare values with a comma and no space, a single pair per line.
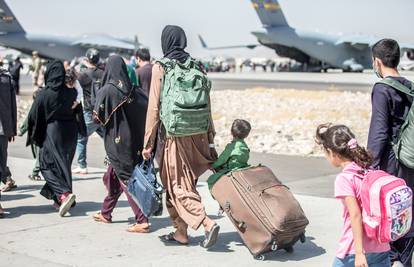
145,189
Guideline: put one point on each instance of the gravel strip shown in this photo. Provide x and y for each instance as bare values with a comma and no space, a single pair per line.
283,120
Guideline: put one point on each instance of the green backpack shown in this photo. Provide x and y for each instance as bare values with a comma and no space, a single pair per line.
404,147
185,98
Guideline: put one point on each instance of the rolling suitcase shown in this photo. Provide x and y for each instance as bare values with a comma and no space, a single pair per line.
263,210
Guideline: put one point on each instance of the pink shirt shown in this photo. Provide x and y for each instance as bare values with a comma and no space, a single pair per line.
348,183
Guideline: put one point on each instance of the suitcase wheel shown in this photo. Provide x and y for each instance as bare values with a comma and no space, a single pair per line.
260,257
289,249
302,238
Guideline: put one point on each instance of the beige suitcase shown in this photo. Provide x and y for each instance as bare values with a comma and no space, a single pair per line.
263,210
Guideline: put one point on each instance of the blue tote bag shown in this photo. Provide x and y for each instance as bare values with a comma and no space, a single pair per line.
145,189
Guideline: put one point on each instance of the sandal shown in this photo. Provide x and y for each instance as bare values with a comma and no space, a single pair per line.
211,237
35,178
10,185
137,228
170,240
100,218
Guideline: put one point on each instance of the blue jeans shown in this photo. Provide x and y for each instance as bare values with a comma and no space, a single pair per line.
373,260
91,127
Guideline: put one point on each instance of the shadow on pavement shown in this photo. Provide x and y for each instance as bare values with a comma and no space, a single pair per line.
80,210
23,210
27,188
84,207
307,250
302,251
9,197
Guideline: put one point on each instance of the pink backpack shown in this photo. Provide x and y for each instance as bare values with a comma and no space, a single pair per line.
386,206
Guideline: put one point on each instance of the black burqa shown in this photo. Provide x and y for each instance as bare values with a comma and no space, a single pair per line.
121,109
52,125
173,43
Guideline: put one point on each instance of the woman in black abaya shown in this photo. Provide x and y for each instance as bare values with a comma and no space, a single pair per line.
53,126
121,109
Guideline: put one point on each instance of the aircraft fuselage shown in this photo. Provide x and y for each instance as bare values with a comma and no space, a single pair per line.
322,47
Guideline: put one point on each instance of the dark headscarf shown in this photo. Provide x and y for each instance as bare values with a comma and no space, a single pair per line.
54,102
116,73
116,89
55,75
173,42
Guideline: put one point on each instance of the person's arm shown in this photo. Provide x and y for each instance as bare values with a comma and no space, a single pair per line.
356,223
224,157
211,134
153,112
79,89
378,137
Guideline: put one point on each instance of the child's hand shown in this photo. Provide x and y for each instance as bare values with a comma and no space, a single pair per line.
360,260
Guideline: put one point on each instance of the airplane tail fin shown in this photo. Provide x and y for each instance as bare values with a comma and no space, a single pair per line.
203,43
8,22
270,13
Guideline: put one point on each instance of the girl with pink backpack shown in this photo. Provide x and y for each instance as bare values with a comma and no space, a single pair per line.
377,206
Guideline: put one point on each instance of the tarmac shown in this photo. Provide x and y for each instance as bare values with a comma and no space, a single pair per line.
333,80
33,234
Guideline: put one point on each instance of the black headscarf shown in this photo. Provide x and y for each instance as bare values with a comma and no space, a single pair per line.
116,73
115,90
173,42
54,102
55,75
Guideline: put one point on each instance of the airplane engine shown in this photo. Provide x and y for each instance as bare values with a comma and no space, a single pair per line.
410,54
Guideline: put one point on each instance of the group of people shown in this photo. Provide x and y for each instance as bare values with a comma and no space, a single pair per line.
128,114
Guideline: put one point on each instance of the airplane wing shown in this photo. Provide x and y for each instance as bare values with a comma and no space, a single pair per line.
406,47
205,46
103,42
362,42
358,42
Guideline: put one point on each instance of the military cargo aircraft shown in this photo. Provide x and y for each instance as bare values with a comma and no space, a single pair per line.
13,35
316,51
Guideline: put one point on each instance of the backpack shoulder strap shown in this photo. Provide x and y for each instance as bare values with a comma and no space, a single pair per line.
166,63
398,86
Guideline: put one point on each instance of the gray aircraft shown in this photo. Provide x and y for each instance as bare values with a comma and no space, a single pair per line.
12,35
316,51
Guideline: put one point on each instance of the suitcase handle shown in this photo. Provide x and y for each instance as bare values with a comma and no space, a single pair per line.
241,226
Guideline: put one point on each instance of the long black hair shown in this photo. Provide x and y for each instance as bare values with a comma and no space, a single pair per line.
340,140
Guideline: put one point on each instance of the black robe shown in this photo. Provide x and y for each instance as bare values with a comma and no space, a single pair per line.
8,110
121,109
52,125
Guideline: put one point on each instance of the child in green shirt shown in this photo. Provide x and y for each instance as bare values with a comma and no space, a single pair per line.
236,154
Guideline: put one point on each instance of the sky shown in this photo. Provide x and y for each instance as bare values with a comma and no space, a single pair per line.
220,22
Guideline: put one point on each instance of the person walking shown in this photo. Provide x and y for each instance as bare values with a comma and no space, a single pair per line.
144,71
14,70
182,158
36,69
121,108
343,151
53,125
389,110
90,80
8,127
